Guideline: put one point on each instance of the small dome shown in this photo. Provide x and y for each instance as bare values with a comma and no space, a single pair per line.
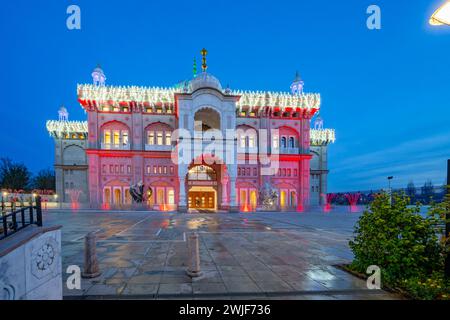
62,109
205,80
98,69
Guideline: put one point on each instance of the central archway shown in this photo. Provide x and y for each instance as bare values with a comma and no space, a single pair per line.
209,119
202,188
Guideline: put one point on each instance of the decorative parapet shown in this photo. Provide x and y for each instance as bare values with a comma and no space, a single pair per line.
151,95
155,95
282,100
322,137
60,129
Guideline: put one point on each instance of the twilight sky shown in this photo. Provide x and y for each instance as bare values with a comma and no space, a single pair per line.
386,92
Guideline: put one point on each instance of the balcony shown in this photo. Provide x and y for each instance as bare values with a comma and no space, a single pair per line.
156,147
110,146
289,150
248,150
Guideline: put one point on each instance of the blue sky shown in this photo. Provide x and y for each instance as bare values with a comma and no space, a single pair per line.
386,92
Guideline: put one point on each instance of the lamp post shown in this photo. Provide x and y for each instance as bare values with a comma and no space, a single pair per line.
441,16
390,190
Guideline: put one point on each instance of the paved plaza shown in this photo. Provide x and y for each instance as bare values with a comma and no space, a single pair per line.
142,255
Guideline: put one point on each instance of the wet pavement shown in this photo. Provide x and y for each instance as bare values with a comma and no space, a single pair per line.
142,255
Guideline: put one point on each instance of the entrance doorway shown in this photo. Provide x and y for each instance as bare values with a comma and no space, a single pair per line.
202,200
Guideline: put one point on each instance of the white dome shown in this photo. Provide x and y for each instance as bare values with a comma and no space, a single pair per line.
205,80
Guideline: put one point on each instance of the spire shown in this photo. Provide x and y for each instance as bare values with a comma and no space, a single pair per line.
297,85
194,68
204,52
98,76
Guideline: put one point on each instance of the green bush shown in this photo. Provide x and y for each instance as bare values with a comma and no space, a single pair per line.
397,239
432,288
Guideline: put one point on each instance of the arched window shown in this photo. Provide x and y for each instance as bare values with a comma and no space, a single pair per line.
115,135
283,142
159,134
291,142
202,173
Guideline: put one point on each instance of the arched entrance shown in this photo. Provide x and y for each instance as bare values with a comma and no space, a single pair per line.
202,186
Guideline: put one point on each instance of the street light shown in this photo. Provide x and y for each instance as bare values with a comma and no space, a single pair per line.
442,15
390,190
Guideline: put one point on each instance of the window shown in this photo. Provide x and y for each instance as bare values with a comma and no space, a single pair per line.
202,173
149,169
295,172
283,142
129,169
255,171
116,135
248,171
239,171
160,170
159,138
150,138
111,169
284,172
242,141
251,141
124,137
104,168
291,142
107,137
288,172
171,170
171,196
154,169
122,169
165,170
117,169
168,138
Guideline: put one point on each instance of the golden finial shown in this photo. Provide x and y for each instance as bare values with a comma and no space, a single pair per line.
204,52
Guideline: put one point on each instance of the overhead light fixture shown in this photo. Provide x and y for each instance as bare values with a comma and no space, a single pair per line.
442,15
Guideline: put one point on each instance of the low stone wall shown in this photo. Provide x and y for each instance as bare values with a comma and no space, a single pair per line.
30,265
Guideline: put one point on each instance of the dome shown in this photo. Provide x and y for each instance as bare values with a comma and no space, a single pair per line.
205,80
98,69
62,109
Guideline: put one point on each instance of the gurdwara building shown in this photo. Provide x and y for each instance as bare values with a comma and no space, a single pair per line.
194,146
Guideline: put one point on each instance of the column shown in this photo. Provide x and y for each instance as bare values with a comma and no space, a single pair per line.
225,191
182,203
233,205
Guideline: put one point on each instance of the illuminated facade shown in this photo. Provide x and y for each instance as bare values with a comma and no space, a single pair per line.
163,137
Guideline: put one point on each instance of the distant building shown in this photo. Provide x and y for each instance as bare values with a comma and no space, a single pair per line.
132,135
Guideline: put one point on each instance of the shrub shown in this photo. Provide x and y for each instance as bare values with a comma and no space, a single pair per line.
398,239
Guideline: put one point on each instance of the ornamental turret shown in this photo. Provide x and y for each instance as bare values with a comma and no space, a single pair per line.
297,85
318,123
63,114
98,76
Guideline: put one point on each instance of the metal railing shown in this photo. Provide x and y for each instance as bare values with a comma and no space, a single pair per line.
20,219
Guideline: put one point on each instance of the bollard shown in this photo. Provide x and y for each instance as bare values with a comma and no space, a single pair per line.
193,269
91,268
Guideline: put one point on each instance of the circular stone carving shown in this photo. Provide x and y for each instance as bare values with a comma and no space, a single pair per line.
44,257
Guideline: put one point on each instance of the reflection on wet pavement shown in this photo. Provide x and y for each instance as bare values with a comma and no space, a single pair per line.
144,254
